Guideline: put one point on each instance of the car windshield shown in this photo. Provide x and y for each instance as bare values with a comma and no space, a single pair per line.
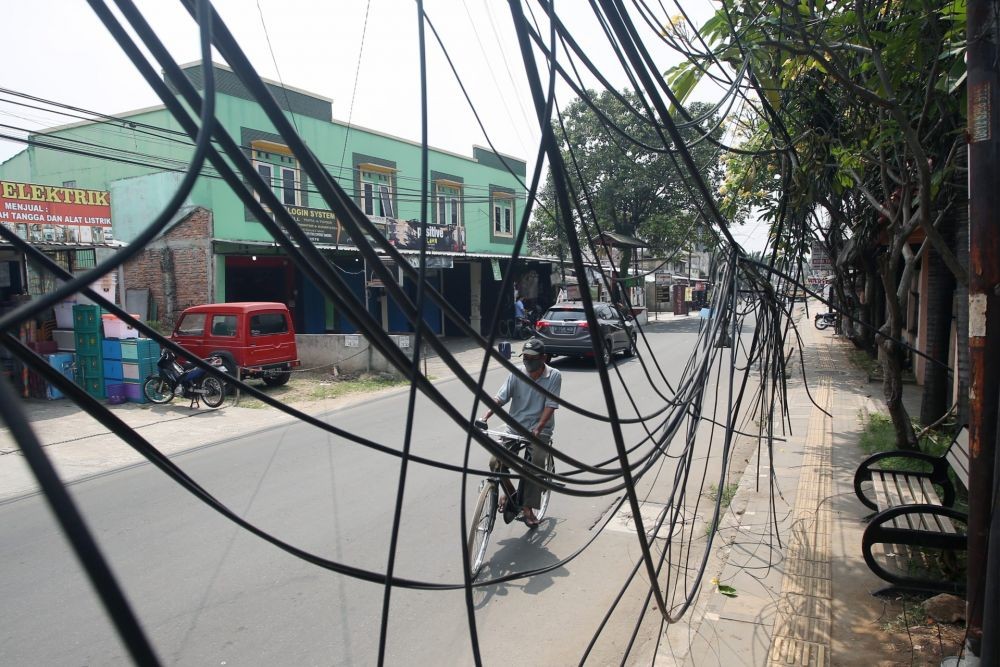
192,324
565,315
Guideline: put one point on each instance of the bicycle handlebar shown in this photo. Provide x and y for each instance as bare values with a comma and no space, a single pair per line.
481,425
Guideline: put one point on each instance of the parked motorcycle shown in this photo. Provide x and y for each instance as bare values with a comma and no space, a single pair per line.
524,328
175,379
824,320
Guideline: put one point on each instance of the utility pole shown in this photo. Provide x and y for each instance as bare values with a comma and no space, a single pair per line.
984,317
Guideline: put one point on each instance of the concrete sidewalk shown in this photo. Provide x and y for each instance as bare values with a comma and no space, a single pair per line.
803,591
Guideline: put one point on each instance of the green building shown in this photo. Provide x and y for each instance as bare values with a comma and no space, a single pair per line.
140,157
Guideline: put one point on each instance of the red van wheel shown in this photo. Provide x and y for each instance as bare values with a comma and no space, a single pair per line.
277,379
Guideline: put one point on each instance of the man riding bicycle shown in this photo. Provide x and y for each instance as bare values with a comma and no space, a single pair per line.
534,411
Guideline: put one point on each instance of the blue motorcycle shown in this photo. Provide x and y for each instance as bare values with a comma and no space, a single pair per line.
175,379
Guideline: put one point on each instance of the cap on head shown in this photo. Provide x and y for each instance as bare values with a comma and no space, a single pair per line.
533,348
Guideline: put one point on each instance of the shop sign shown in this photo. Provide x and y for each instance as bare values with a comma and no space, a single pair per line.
432,261
322,226
495,263
44,213
819,258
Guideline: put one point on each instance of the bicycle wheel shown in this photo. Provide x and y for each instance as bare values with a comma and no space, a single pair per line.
481,527
214,394
543,504
157,390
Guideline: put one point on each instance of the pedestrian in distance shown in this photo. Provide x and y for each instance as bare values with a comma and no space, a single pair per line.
535,411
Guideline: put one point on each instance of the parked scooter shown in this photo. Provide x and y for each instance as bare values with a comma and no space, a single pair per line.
824,320
191,382
524,327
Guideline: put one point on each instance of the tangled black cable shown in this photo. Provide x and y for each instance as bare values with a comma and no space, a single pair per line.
670,426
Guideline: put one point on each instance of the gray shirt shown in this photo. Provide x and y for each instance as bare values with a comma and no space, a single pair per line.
526,403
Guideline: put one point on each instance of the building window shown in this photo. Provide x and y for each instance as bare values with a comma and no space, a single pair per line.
503,216
69,184
376,192
448,203
279,169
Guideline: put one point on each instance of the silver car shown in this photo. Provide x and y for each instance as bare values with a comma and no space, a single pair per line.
565,331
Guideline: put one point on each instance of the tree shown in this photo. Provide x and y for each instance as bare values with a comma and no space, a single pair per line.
623,176
855,112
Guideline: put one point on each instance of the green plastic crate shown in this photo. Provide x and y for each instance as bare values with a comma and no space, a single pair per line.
91,365
86,318
140,349
88,343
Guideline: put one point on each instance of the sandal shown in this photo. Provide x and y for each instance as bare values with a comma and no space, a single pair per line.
510,510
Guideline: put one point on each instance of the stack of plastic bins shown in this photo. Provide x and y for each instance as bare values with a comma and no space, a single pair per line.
89,354
62,362
139,356
112,349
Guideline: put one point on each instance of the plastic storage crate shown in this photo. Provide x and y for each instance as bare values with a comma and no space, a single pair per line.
113,370
133,392
115,392
91,365
65,339
86,319
116,328
92,385
140,349
88,343
137,371
111,349
62,362
64,314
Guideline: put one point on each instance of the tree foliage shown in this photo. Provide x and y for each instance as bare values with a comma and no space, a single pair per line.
624,177
854,116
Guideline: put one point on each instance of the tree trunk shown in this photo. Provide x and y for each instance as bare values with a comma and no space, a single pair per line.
892,360
892,389
936,398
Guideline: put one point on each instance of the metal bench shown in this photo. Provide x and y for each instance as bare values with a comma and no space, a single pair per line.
910,512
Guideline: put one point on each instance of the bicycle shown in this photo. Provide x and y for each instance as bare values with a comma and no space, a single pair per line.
487,506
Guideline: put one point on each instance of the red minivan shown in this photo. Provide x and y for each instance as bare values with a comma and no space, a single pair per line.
256,337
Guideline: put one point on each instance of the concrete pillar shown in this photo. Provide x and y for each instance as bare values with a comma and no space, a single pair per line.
475,290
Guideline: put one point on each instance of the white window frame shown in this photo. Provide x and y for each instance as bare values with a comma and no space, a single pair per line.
503,216
275,178
296,189
448,201
376,192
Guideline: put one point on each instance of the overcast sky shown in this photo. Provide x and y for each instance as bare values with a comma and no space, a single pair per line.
363,55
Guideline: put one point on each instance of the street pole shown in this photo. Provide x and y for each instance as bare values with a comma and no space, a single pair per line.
984,323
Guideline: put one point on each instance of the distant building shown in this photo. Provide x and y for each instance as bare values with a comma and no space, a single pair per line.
216,251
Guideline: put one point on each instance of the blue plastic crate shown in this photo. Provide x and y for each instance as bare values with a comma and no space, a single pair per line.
113,370
112,349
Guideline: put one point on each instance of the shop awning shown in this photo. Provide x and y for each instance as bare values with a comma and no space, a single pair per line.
616,240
